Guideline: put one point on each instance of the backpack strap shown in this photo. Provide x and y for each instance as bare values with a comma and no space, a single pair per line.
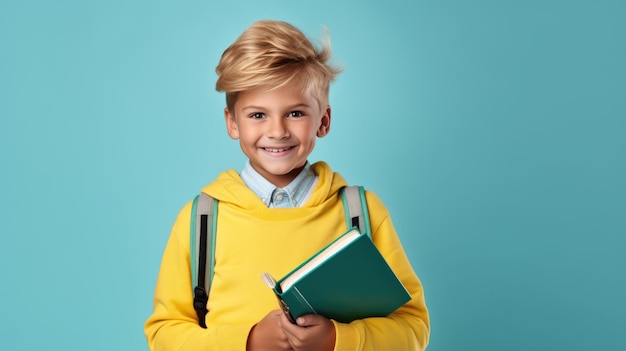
355,208
202,251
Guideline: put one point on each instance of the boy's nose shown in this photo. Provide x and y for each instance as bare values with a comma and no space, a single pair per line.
277,128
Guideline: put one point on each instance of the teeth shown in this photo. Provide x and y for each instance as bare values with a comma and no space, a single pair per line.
276,150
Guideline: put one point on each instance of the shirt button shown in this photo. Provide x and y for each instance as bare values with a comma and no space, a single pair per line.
279,197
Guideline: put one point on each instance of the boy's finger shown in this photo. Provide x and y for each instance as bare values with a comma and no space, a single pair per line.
309,320
301,321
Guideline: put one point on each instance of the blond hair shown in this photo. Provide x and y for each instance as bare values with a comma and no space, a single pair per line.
272,54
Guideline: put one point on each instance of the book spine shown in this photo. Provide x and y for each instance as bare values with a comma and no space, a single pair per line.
283,306
296,303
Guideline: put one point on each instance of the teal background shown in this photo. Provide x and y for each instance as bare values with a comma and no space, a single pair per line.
493,130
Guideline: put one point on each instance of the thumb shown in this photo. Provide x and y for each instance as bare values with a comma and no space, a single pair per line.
308,320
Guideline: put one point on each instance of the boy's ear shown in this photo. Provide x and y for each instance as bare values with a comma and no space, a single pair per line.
324,127
231,125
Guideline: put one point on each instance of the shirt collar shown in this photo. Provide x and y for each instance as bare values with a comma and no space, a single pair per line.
295,192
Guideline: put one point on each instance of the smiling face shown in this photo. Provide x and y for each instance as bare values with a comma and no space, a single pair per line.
277,130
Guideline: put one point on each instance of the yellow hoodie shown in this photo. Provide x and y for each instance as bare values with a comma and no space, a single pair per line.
252,239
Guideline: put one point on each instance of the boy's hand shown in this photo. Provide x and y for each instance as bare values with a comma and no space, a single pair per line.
312,333
268,334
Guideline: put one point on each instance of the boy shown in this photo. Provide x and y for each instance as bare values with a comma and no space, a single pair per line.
279,211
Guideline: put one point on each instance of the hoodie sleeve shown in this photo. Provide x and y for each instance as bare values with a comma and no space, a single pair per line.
173,324
408,328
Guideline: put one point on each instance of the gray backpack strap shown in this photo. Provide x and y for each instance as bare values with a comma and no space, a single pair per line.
202,251
355,208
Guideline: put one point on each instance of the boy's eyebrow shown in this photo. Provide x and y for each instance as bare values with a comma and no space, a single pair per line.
290,107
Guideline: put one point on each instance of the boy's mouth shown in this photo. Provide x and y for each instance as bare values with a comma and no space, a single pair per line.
277,150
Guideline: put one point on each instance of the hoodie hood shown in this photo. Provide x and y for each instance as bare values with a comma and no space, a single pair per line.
229,187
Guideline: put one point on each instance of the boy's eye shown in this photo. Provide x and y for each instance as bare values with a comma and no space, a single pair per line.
257,115
296,114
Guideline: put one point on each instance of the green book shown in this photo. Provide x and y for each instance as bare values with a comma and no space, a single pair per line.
348,279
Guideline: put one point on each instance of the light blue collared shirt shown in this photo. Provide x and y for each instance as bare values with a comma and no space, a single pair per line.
293,195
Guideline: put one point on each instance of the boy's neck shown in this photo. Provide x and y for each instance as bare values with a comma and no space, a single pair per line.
281,180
